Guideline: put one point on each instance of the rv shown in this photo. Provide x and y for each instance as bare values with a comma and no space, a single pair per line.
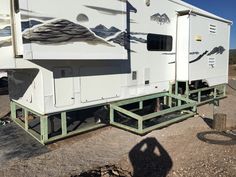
68,56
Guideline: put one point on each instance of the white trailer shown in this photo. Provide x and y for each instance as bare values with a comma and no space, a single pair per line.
68,55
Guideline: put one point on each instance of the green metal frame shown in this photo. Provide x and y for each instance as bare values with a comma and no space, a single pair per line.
219,92
189,104
43,136
175,105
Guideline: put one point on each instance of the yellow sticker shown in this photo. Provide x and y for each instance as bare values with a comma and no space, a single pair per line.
198,38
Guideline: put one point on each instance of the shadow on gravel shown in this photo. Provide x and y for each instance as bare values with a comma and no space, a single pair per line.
208,121
144,159
3,86
146,162
16,143
219,138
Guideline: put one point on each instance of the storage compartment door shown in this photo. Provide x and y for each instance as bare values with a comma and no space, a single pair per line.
100,87
64,87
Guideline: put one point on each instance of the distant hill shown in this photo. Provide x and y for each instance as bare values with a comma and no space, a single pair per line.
232,56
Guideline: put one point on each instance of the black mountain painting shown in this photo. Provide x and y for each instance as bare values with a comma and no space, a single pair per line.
6,31
161,19
123,38
104,32
216,50
61,31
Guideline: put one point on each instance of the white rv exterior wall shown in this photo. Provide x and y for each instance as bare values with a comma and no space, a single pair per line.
87,82
182,54
202,49
217,47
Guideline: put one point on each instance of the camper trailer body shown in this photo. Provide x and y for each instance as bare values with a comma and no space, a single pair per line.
67,55
93,61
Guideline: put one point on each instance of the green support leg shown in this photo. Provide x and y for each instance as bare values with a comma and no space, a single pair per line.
44,128
179,101
111,115
165,100
176,87
140,125
215,93
141,105
187,89
13,110
63,123
170,92
224,90
199,97
26,113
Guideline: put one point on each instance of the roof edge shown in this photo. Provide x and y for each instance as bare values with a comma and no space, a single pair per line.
198,11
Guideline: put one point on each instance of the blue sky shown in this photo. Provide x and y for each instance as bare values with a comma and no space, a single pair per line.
222,8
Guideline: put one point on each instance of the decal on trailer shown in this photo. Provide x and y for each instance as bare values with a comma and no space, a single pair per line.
216,50
160,19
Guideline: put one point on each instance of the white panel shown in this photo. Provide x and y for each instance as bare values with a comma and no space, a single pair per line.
100,87
182,54
211,47
64,87
85,29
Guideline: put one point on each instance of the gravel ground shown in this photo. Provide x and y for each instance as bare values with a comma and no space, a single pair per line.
172,151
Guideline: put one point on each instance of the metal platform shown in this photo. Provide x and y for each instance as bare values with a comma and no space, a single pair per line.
174,109
139,115
203,95
49,128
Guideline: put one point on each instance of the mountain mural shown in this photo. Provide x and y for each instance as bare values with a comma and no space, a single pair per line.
216,50
123,38
6,31
104,32
29,24
61,31
5,43
160,19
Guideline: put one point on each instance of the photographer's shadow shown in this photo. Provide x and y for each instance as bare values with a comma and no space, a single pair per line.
146,163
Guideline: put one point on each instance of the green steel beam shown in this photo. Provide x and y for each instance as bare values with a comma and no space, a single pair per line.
167,111
44,128
205,89
126,112
111,114
141,105
125,127
210,100
13,110
187,89
26,115
181,98
34,134
29,110
165,100
137,99
166,123
176,87
63,123
79,131
43,137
